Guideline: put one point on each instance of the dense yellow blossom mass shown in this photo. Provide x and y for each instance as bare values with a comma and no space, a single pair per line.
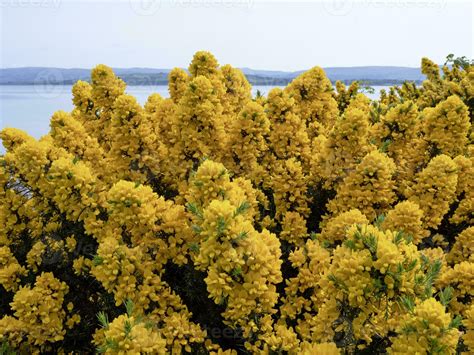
312,220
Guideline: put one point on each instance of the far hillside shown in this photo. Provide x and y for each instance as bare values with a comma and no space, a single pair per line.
371,75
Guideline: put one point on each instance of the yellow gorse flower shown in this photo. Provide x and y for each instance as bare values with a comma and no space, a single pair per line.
311,220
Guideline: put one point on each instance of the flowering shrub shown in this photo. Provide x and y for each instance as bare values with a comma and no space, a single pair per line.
312,220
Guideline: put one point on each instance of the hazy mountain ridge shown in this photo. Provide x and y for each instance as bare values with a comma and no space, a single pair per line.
375,75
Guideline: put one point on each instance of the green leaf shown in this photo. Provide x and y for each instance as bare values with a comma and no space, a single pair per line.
222,173
241,236
221,226
325,244
197,229
399,236
370,242
446,295
431,276
243,207
111,344
424,261
237,271
103,319
194,209
456,322
129,306
349,243
5,349
338,283
408,328
149,325
411,265
384,147
101,349
194,247
127,328
379,220
97,260
198,183
408,303
408,238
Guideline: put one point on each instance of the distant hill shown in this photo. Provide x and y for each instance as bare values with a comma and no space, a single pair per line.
371,75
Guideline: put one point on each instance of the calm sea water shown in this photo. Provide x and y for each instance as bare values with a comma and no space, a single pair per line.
30,107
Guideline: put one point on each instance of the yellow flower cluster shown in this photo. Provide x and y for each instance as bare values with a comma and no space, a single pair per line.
397,134
294,228
178,82
465,190
463,247
237,89
115,266
242,265
460,278
288,137
322,348
344,95
427,330
335,229
314,101
310,220
199,122
247,140
11,270
346,144
311,313
406,217
38,314
446,126
434,189
13,137
68,133
468,337
203,63
129,335
456,81
369,188
371,272
289,185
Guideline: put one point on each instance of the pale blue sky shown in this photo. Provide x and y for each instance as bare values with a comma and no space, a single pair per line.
278,35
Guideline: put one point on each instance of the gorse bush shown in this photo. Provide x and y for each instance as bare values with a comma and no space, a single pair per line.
313,220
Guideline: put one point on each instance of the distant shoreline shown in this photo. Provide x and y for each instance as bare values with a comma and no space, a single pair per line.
266,82
370,75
